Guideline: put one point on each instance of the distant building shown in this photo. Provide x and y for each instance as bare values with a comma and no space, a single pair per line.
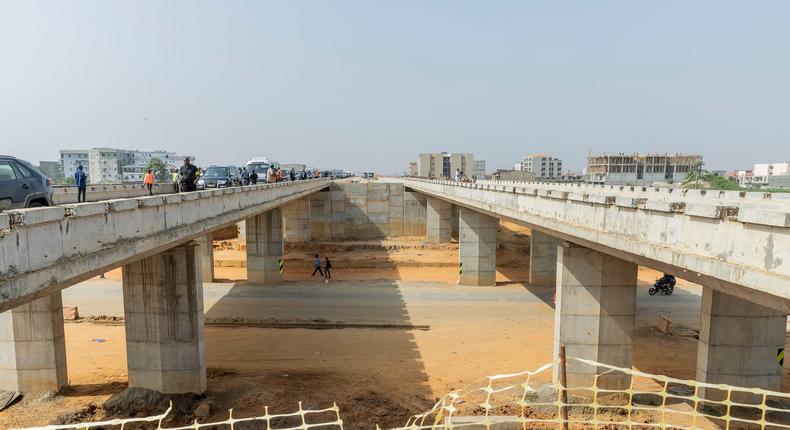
480,169
518,166
53,169
512,175
71,159
106,165
413,168
542,166
772,169
639,169
444,164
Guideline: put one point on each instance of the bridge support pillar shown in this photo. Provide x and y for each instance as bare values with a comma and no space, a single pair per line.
594,314
265,248
33,347
543,259
206,243
439,220
477,238
738,343
296,219
163,310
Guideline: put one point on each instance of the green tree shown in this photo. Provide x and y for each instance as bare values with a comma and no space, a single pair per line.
158,167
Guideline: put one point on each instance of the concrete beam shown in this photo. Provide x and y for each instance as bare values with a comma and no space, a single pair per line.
738,344
439,221
163,310
265,248
477,248
594,314
543,259
85,240
206,247
33,347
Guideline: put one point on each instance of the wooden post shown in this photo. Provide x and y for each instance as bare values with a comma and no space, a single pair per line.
563,390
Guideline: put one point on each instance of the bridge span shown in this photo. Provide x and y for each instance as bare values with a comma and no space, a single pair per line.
589,240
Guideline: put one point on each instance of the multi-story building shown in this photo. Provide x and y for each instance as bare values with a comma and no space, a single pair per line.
772,169
70,159
640,169
106,165
480,169
53,169
542,166
444,164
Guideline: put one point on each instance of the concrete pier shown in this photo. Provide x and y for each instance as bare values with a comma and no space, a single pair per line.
543,259
163,310
594,316
439,220
477,248
296,218
265,248
32,346
738,343
206,244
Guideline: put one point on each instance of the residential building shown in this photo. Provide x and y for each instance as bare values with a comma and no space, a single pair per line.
542,166
640,169
772,169
444,164
413,168
480,169
71,159
518,166
106,165
53,169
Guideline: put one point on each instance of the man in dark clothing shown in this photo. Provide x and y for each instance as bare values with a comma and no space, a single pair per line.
188,173
292,175
245,177
81,180
253,178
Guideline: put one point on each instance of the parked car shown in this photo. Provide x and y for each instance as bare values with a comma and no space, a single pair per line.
22,185
219,177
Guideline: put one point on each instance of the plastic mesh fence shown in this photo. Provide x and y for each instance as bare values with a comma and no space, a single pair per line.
611,398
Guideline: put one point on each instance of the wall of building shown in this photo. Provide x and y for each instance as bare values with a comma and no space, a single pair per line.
348,211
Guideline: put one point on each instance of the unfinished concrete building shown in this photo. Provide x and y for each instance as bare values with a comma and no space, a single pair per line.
444,164
639,169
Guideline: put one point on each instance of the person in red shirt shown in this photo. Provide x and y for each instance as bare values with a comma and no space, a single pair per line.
149,182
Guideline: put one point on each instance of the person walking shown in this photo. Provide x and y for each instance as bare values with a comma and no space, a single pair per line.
292,175
188,174
271,175
245,177
327,270
457,174
81,181
253,178
149,182
175,181
317,266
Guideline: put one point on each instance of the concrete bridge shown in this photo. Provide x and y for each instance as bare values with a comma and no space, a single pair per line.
587,241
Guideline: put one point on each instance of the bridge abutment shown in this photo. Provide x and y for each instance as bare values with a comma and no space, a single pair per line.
265,248
163,310
594,314
543,259
33,347
439,223
738,343
477,242
206,244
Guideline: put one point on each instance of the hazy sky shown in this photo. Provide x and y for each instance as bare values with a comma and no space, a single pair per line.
369,84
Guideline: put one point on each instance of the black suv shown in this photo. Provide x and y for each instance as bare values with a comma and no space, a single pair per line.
219,177
22,185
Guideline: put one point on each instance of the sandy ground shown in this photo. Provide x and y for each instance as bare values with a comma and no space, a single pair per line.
377,376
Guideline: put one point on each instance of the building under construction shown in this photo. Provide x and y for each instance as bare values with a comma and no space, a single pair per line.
639,169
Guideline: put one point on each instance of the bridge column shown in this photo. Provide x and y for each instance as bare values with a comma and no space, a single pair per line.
296,220
738,343
265,247
594,314
543,259
163,310
206,245
439,220
33,347
477,241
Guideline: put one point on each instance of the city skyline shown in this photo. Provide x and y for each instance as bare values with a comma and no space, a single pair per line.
295,82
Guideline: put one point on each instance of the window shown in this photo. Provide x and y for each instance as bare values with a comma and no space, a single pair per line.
6,171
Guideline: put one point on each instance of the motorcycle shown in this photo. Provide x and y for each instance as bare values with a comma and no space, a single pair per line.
664,286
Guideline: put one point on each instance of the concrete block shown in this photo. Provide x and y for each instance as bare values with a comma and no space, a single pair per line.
761,216
86,209
37,215
121,205
703,210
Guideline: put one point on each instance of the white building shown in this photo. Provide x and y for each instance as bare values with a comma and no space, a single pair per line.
70,159
106,165
480,169
772,169
444,164
542,166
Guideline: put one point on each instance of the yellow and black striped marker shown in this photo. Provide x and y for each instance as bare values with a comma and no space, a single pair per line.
282,266
780,356
461,268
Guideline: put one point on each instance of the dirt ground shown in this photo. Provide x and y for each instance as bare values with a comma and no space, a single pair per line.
376,376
